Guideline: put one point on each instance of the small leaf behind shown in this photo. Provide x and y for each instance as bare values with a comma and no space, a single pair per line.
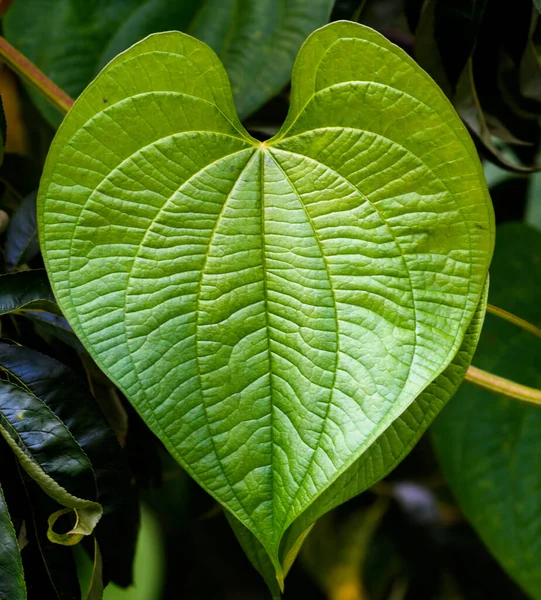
62,390
256,39
48,453
22,242
26,291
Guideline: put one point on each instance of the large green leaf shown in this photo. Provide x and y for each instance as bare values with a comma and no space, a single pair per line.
11,569
383,456
257,40
489,446
269,308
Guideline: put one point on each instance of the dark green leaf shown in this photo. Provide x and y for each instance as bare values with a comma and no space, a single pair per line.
256,39
3,131
50,455
22,242
456,27
427,51
26,291
490,446
62,390
503,38
42,436
474,51
468,106
12,586
49,567
50,325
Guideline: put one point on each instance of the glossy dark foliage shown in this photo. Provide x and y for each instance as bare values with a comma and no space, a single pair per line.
63,392
26,291
49,414
22,244
66,433
483,56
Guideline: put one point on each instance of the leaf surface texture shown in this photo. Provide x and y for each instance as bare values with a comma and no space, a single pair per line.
269,308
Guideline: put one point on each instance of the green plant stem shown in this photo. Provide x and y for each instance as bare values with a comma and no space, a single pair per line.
23,67
505,387
507,316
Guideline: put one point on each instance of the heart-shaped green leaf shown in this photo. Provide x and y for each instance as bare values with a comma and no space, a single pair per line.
269,308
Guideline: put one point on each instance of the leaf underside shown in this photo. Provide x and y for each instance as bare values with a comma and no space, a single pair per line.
382,456
269,308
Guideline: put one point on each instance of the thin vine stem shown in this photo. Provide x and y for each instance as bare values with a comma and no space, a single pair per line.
511,318
26,69
505,387
501,385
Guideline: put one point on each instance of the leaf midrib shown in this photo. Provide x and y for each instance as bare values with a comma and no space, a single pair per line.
337,354
196,326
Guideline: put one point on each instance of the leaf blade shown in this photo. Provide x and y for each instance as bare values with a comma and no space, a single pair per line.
379,460
263,257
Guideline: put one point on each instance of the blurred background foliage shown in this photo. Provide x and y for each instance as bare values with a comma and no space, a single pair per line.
423,532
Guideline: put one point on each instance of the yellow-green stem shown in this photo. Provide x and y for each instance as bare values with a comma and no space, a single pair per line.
505,387
23,67
507,316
